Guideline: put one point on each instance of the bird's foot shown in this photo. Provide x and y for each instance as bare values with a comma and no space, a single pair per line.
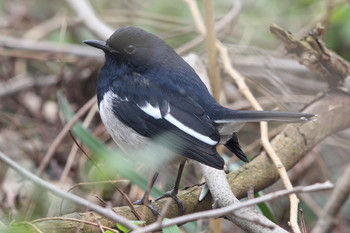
148,203
173,194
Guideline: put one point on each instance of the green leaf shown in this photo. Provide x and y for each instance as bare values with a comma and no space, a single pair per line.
170,229
265,209
18,227
125,229
204,192
122,228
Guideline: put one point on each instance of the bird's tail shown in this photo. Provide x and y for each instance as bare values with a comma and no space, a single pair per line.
256,116
231,121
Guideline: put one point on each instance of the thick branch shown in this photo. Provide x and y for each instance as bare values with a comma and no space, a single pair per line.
248,219
311,51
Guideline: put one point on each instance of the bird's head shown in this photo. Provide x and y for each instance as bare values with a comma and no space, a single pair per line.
133,47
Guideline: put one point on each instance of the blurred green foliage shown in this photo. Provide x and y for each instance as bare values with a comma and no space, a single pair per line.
338,34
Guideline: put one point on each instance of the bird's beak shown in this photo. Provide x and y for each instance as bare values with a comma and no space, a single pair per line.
97,44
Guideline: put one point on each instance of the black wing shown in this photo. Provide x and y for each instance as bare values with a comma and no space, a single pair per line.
152,112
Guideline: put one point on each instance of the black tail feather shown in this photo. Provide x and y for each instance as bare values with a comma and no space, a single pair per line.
255,116
233,145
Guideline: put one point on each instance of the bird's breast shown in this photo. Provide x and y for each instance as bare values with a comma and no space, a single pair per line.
125,137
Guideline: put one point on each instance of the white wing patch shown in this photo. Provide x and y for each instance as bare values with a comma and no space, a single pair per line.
150,110
124,136
188,130
155,112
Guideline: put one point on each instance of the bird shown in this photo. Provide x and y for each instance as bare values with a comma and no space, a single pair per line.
145,90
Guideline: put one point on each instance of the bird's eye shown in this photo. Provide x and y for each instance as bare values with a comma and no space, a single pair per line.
130,49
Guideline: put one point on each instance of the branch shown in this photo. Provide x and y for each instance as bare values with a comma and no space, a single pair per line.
44,50
248,219
65,195
213,69
339,196
235,207
311,51
86,107
87,15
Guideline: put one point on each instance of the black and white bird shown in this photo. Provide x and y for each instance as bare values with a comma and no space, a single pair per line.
145,89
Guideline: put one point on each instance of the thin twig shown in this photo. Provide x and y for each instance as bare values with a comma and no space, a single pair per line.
44,50
335,203
127,199
220,25
63,133
108,213
213,70
99,224
302,221
228,209
87,15
294,201
73,220
33,226
73,152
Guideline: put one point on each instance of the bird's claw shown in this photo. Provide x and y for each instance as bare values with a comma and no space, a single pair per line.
148,203
174,196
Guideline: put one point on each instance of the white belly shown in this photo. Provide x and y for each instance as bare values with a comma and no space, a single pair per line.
125,137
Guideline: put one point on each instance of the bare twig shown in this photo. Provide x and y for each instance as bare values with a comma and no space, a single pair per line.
63,194
20,83
228,209
73,220
126,198
213,69
302,221
63,132
33,226
220,25
294,201
45,50
339,196
87,15
43,29
74,149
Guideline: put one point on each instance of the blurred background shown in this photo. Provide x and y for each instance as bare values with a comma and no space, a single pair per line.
41,52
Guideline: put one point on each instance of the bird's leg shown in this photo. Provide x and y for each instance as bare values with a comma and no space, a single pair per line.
173,193
145,198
